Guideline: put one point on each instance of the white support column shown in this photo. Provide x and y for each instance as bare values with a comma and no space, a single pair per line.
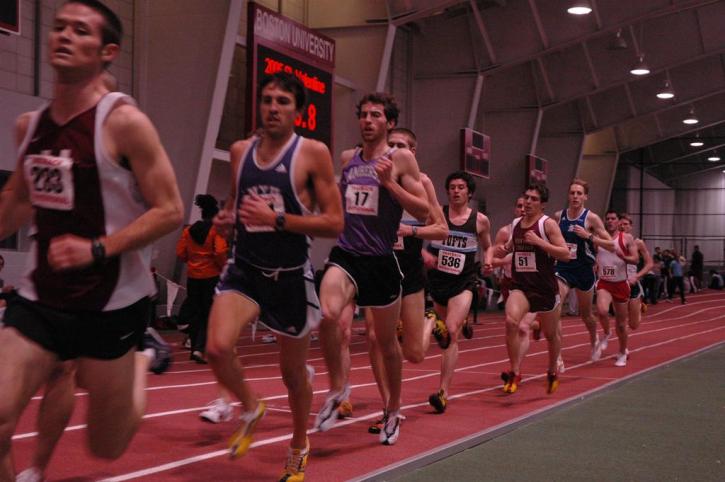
217,103
475,101
385,60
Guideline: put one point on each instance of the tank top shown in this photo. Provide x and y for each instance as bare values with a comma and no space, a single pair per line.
407,249
372,214
610,266
262,246
457,253
532,269
581,251
76,188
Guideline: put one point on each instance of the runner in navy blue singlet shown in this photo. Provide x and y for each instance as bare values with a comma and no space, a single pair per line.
583,230
98,188
377,184
279,179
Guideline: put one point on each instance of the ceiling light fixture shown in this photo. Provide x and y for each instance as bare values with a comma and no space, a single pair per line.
697,142
640,67
713,158
691,117
580,8
666,92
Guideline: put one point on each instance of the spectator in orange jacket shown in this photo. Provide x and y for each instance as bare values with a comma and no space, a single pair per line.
205,254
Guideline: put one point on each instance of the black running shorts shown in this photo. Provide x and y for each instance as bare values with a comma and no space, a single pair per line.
377,279
103,335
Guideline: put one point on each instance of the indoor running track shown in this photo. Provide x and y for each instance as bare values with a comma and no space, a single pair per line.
174,445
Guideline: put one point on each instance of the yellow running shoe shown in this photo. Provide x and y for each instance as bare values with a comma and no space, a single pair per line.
552,382
240,441
511,381
294,470
440,330
344,410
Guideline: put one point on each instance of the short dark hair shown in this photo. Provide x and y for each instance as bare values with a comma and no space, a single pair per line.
406,132
612,211
541,188
470,183
112,29
390,106
288,82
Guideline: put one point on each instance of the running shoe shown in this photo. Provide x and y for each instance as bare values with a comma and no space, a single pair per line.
552,382
391,428
161,360
621,360
344,410
32,474
377,426
596,350
438,401
294,469
604,342
327,415
198,357
467,329
269,338
240,441
219,411
560,367
440,330
511,381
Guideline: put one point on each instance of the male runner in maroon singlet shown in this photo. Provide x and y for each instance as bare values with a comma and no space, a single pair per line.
98,186
535,242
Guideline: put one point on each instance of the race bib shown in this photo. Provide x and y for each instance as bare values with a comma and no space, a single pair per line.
361,200
275,202
608,273
451,262
398,245
50,181
525,261
572,250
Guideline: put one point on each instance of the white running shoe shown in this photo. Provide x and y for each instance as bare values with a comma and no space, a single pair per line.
604,342
219,411
560,367
391,428
327,416
269,339
596,351
621,360
32,474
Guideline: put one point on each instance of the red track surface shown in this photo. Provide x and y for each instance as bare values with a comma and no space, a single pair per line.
174,445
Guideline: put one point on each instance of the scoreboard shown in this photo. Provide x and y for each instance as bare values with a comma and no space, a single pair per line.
278,44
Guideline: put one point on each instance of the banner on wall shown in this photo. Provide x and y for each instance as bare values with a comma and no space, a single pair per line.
537,169
10,17
476,153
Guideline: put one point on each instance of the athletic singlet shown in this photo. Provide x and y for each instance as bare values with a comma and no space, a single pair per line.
532,269
372,214
76,188
457,253
633,269
610,266
581,251
262,246
408,248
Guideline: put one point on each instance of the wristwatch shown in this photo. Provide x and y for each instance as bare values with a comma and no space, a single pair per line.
279,222
98,251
